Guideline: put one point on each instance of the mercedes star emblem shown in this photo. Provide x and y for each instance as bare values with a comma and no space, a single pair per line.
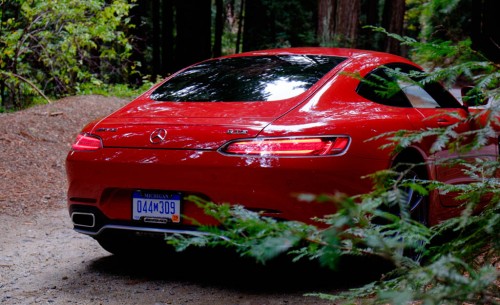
158,136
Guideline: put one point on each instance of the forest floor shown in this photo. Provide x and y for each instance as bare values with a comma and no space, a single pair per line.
43,261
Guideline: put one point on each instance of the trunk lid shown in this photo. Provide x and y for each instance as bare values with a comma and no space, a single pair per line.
145,123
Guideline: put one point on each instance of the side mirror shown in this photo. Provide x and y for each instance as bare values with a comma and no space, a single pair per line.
472,96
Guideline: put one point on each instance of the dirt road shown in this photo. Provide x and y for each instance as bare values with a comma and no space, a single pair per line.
42,261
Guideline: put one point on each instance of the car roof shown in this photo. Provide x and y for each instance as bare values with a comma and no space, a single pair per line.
363,60
342,52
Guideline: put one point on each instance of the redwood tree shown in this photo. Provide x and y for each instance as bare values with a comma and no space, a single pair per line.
338,22
393,22
219,28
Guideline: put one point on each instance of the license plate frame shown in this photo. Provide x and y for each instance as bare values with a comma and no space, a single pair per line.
156,207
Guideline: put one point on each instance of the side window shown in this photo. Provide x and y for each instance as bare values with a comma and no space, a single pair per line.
380,88
387,85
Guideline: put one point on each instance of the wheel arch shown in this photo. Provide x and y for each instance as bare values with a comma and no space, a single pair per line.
413,155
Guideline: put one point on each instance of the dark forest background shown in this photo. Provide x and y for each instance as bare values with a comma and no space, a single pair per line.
171,34
54,48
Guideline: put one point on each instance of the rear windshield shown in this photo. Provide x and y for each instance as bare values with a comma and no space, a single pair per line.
255,78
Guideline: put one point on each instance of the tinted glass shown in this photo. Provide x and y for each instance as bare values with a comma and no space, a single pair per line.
380,87
386,85
259,78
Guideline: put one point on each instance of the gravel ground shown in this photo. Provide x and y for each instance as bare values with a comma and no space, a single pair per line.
43,261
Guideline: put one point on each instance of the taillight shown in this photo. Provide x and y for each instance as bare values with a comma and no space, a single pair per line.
86,142
293,147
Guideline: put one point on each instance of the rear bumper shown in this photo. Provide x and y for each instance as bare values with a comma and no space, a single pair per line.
100,224
101,184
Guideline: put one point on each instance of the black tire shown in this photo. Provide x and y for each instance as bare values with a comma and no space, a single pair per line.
417,203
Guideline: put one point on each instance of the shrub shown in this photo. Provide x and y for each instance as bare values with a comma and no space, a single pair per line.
55,45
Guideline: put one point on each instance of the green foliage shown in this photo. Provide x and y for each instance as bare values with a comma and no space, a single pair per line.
117,90
448,280
446,20
246,232
59,44
443,272
454,62
414,10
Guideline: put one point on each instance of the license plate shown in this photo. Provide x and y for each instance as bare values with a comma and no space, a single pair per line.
156,207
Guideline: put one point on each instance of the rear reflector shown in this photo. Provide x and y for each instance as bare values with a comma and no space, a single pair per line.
293,147
86,142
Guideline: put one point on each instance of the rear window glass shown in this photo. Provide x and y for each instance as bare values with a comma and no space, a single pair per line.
255,78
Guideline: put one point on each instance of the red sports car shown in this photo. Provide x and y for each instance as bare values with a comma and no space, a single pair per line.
257,129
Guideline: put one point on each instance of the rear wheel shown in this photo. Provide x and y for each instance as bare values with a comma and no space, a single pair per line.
416,202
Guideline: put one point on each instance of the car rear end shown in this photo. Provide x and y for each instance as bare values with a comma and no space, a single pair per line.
135,170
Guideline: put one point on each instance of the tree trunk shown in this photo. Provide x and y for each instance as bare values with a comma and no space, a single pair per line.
338,22
257,25
347,22
239,34
326,25
219,28
193,40
393,22
367,38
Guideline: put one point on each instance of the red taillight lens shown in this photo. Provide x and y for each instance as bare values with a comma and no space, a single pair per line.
294,147
85,142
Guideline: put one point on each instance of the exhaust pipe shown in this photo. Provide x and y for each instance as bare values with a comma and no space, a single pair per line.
83,219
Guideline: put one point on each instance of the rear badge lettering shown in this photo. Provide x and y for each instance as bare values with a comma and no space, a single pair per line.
106,129
237,131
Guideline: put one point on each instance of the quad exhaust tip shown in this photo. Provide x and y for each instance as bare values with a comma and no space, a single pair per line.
82,219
